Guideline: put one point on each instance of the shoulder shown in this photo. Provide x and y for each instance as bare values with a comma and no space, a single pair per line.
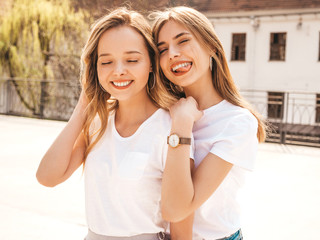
162,116
96,123
159,123
236,136
238,117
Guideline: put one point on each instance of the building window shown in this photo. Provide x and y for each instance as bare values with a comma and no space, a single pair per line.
238,51
275,105
318,108
278,46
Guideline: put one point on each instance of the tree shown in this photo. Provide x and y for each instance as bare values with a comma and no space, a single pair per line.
38,39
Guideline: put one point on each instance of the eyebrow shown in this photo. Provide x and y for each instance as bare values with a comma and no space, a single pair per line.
128,52
177,36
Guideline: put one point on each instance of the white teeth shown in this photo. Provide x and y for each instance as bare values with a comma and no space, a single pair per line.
121,84
179,66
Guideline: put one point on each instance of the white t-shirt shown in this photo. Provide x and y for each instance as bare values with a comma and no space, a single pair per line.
229,132
123,178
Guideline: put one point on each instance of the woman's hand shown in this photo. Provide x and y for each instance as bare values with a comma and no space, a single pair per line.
185,110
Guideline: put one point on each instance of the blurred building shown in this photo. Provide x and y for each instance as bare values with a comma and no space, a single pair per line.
273,49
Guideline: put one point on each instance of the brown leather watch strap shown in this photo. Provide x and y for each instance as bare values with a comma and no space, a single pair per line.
186,141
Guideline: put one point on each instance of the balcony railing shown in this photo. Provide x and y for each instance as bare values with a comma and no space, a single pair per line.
294,116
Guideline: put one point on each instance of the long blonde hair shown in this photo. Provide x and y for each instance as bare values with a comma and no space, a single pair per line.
99,101
204,32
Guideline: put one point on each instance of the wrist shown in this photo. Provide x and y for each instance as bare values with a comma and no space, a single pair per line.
182,127
78,114
174,140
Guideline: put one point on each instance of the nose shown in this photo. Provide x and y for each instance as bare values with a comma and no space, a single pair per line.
119,69
173,52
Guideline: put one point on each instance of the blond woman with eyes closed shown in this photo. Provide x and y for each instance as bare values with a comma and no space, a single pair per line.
118,131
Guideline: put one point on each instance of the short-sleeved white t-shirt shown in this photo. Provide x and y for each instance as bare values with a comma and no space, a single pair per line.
123,179
230,132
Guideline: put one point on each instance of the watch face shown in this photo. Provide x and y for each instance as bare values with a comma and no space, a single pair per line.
174,140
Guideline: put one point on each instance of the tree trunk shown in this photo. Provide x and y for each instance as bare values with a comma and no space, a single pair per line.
43,85
17,88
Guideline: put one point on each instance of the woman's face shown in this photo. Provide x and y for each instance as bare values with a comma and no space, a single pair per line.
123,63
183,59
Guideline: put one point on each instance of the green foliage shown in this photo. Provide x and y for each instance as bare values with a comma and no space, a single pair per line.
41,39
35,30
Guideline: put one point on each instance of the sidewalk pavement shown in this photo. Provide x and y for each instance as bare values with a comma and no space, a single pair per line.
281,199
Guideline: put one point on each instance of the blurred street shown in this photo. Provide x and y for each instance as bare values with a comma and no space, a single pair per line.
281,199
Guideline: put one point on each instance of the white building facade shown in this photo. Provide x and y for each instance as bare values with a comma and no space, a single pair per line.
274,58
299,71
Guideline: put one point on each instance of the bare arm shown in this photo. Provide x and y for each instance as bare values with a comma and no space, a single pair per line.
66,153
177,180
182,194
183,230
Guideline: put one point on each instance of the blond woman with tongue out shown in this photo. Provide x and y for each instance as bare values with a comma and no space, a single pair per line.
118,132
225,128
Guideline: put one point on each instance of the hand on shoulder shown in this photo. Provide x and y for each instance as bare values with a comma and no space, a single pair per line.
186,109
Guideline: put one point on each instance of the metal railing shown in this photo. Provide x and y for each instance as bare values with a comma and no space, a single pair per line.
293,116
38,98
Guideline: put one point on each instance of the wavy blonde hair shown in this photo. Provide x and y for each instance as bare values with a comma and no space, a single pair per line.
202,29
99,101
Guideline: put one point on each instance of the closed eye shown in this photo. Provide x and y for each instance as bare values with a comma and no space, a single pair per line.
162,50
105,63
183,41
132,61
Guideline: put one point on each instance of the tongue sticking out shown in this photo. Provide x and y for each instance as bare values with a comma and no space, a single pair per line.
182,69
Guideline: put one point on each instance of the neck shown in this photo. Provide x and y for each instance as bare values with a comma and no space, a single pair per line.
203,92
134,111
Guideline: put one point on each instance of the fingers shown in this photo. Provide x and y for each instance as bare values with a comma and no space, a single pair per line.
199,113
186,108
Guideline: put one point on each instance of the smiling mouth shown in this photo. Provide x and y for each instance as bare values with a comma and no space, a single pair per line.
122,84
182,67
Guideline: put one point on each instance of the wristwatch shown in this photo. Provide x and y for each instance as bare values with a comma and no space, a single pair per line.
174,140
